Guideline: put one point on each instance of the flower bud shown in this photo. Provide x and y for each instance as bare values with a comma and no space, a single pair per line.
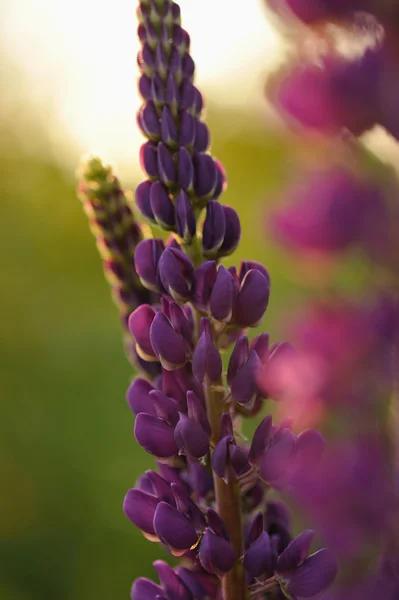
139,326
206,362
176,273
185,170
148,121
166,167
228,460
172,94
204,280
258,556
146,258
167,344
253,299
161,206
216,552
142,195
202,137
168,129
139,507
224,296
205,176
187,95
187,129
137,396
155,436
144,86
301,576
185,220
243,384
172,585
148,158
157,91
233,232
174,529
214,228
190,438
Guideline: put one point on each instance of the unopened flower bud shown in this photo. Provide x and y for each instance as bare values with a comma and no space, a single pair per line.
224,296
146,258
176,273
162,206
185,218
167,344
214,228
207,362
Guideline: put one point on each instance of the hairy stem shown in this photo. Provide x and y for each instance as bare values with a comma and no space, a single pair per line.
234,585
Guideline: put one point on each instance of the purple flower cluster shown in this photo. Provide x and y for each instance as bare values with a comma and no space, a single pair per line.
208,502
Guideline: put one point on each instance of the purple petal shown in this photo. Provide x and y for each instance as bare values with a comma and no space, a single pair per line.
243,386
314,576
207,361
139,326
161,206
253,299
216,554
140,508
233,232
224,296
220,456
261,439
185,219
279,457
173,528
142,196
171,582
191,438
155,436
146,258
258,557
204,280
205,175
238,357
296,552
144,589
137,397
214,228
185,169
167,343
166,167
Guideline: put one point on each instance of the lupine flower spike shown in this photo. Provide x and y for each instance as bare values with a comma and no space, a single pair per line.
199,501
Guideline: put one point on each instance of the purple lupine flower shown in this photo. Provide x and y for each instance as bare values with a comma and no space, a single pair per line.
199,503
303,576
207,363
146,259
216,552
273,451
167,344
192,432
258,556
242,373
228,459
224,296
176,273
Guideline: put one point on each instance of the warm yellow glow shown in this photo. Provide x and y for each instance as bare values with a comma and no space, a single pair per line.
80,56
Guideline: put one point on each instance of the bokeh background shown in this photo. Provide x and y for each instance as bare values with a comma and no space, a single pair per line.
67,451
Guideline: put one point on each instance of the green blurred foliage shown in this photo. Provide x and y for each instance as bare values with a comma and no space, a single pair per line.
68,454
